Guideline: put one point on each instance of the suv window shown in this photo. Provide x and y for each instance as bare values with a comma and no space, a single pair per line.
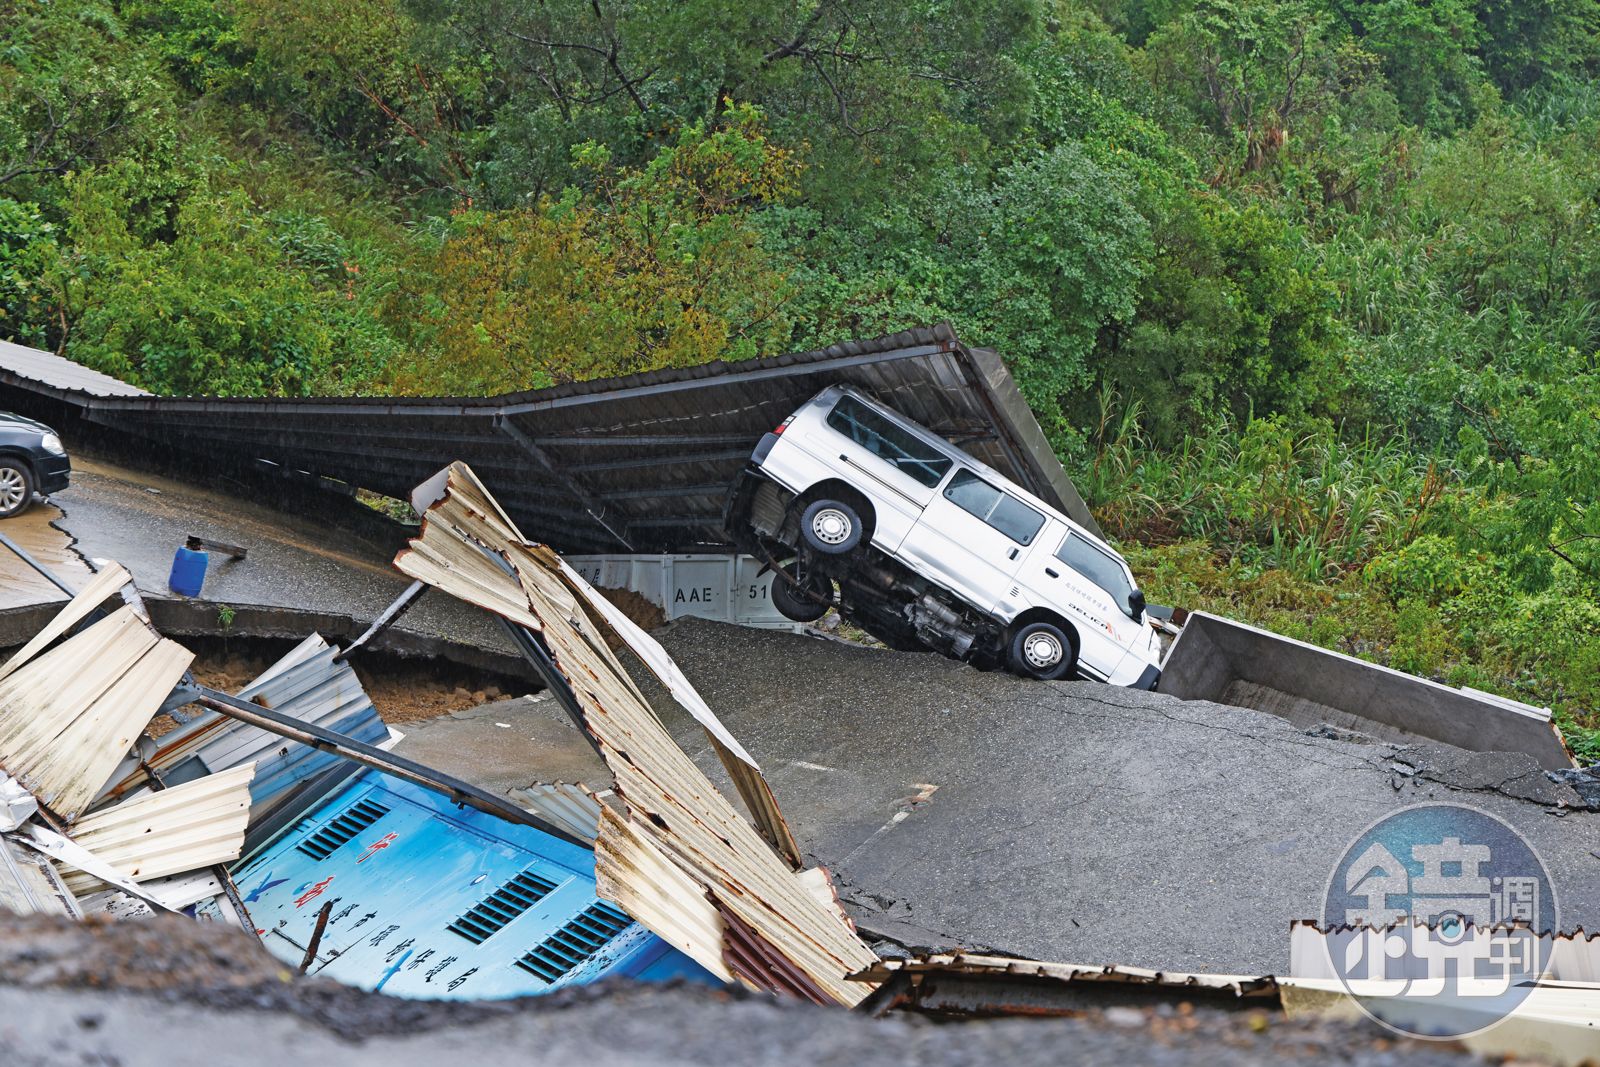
1095,564
1005,513
899,447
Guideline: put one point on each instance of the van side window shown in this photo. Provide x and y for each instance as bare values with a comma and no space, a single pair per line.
1093,563
1005,513
899,447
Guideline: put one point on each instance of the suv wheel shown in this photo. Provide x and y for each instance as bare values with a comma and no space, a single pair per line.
16,487
830,527
1042,650
802,597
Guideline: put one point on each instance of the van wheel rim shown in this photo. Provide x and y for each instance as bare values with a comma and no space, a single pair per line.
831,526
1042,651
12,488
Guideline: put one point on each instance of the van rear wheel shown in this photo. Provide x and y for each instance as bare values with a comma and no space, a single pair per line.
830,527
801,597
1044,651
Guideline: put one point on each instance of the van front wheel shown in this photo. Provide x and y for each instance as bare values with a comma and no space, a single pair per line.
1042,650
830,527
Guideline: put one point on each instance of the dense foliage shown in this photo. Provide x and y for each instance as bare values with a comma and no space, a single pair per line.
1306,292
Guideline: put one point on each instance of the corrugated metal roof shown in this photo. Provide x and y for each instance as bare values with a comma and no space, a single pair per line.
307,683
571,807
20,364
173,831
29,884
984,966
640,462
469,549
99,589
68,716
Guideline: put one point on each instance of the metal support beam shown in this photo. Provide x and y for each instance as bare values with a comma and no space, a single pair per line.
594,507
368,756
388,618
534,651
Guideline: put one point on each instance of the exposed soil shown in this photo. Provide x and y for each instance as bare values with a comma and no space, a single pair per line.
644,613
402,689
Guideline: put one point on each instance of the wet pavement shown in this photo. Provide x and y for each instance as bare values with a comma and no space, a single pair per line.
328,563
1074,821
36,532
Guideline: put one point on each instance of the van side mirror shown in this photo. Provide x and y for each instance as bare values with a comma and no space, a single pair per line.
1136,604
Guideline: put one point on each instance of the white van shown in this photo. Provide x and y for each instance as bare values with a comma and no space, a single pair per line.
931,548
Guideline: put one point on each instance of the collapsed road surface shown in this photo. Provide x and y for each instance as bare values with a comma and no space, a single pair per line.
327,569
1076,821
173,993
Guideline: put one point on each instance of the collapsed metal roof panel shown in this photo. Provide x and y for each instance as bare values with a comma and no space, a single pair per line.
30,884
638,462
677,822
189,826
308,683
68,716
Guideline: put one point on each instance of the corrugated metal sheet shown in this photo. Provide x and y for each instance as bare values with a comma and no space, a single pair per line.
29,885
638,463
570,807
174,831
99,589
58,374
307,683
982,966
432,900
1570,957
68,716
470,549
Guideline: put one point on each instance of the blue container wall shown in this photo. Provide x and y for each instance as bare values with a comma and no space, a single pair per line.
431,900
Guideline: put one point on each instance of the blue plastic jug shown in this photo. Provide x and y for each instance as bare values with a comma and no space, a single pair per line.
188,571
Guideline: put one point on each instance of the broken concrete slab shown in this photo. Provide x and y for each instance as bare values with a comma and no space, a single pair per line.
1075,820
37,532
507,745
175,993
1234,663
304,572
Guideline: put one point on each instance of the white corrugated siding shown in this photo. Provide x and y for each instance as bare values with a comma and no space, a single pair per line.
68,716
193,825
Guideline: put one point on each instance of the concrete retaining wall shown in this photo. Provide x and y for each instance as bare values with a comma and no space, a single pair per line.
1229,662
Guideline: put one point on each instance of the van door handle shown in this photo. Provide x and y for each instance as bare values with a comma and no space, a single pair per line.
1051,573
1012,554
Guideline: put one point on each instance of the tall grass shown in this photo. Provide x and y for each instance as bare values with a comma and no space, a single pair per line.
1273,493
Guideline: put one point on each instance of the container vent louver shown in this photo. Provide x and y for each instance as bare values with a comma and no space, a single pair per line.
491,914
359,816
569,947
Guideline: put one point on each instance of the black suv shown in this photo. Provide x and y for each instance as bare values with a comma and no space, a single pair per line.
31,460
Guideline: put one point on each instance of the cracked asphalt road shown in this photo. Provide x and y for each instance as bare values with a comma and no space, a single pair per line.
1075,821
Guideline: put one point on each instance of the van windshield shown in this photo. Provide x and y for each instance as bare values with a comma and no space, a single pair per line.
1097,565
1005,513
894,444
